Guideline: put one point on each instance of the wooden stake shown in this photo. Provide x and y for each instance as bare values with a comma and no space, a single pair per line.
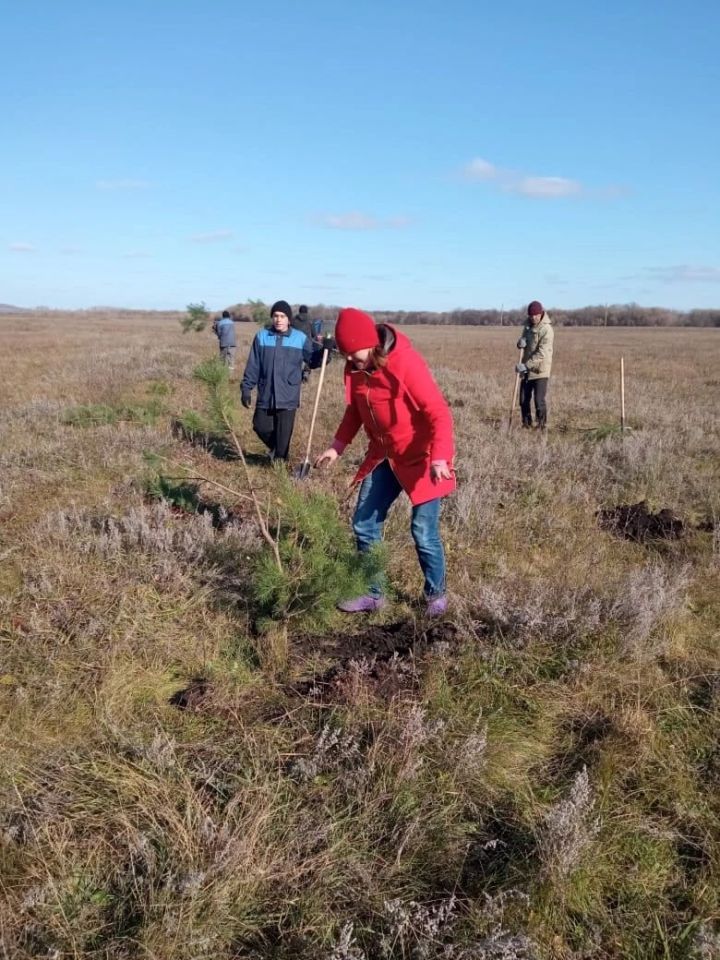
515,392
622,395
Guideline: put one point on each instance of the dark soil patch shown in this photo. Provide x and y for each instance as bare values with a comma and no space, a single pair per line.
636,522
383,658
193,696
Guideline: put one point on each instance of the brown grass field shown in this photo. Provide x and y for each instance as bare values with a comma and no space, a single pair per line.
537,776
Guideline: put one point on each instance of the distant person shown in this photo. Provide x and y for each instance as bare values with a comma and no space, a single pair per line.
224,330
275,366
391,393
536,343
302,322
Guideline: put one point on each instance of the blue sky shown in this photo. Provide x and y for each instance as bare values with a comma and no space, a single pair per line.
403,155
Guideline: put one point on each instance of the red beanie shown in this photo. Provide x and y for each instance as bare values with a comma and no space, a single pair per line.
535,308
355,330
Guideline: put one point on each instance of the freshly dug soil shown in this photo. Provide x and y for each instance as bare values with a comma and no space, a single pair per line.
635,522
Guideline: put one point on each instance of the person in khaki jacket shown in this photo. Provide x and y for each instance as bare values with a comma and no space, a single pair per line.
536,343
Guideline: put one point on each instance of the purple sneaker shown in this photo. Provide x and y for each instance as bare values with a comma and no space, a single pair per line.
365,604
437,607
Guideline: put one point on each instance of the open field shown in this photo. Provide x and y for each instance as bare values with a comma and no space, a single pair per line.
538,776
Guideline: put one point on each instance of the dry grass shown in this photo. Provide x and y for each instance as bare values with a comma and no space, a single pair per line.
547,785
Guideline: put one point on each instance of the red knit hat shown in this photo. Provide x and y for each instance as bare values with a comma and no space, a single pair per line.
355,330
535,308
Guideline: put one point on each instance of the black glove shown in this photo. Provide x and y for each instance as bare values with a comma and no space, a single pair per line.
246,399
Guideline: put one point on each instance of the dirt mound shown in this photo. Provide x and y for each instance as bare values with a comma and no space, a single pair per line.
383,658
192,696
636,522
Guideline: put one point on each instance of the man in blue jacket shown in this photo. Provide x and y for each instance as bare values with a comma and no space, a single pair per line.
275,367
224,330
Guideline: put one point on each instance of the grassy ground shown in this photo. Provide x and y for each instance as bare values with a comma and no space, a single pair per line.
539,776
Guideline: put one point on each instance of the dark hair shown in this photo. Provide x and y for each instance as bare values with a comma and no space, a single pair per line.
226,313
303,309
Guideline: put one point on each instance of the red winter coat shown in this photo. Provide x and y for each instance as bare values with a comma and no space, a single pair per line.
406,418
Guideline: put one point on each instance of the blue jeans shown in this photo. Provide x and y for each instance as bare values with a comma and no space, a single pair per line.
377,494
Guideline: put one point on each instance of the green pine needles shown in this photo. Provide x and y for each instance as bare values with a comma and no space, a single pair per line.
320,564
311,561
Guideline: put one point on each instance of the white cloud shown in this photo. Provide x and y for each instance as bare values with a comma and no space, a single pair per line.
70,251
122,184
480,170
349,221
136,255
215,236
686,273
356,220
547,187
20,247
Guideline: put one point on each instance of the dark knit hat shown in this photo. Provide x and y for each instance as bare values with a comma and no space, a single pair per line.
355,330
303,309
282,306
534,308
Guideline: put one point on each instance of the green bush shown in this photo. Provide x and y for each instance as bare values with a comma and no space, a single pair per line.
320,562
196,318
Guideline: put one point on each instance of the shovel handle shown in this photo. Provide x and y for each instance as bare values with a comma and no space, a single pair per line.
317,403
515,392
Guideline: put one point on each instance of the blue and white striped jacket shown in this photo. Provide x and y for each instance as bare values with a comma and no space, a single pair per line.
275,366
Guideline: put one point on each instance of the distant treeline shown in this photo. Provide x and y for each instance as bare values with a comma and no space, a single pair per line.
622,315
615,315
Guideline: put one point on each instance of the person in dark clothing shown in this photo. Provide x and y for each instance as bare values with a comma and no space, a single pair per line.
536,343
224,330
303,323
275,366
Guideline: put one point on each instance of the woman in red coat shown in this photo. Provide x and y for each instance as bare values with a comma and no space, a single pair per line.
392,394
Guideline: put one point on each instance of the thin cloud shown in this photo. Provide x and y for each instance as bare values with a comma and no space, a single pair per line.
20,247
356,220
548,187
70,251
136,255
479,170
122,184
685,273
215,236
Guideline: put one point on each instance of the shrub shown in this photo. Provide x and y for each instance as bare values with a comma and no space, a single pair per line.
320,564
196,318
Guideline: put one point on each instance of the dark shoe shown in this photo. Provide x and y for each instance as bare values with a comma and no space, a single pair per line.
364,604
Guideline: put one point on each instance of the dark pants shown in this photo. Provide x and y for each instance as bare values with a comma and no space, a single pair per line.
528,390
275,429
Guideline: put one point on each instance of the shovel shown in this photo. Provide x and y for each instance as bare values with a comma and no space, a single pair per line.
303,470
515,393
